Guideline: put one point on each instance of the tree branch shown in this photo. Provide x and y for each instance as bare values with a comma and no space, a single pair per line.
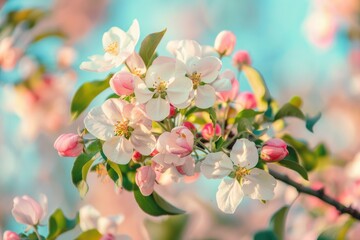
320,194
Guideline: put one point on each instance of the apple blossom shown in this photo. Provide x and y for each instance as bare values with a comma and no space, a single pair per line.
274,150
224,43
69,145
241,58
118,46
145,179
136,157
9,235
230,95
136,65
246,179
202,71
122,83
209,132
164,84
190,126
246,100
29,212
124,127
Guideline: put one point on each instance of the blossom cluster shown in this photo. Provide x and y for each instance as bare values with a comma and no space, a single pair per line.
162,117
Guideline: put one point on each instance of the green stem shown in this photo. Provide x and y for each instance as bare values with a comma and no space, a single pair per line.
36,232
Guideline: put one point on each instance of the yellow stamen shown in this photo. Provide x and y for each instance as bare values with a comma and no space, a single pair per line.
241,172
196,79
123,129
112,48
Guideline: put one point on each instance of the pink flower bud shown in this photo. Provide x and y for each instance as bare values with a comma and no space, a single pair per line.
241,58
9,235
29,212
69,145
225,42
247,100
172,111
122,83
136,157
189,126
145,179
179,141
274,150
208,131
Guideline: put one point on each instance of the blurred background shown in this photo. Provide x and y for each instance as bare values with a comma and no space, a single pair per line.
307,48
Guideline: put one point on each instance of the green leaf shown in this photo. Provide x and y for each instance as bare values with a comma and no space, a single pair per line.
248,113
219,143
337,232
48,34
289,110
212,114
296,167
149,45
89,235
155,205
265,235
258,86
292,156
94,147
277,222
79,172
172,228
86,93
59,224
115,173
310,122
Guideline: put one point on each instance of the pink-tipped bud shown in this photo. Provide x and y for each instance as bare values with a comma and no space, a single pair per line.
246,100
241,58
69,145
145,179
28,211
225,42
274,150
153,153
172,111
122,83
208,131
9,235
136,157
190,126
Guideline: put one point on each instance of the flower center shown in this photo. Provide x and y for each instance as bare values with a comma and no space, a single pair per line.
196,79
241,172
123,129
112,48
160,88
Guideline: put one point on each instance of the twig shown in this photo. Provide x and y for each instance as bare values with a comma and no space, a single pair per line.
320,194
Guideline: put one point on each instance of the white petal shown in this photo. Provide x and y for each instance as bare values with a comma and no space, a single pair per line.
142,93
244,153
205,96
118,150
114,34
229,195
97,64
188,49
209,68
98,124
113,108
136,64
172,46
44,205
88,217
222,85
216,165
259,185
178,90
142,140
109,224
157,109
134,31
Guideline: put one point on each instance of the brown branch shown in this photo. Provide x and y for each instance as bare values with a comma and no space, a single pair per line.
320,194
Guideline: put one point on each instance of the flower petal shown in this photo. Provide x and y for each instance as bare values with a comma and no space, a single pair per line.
259,184
216,165
244,153
157,109
97,63
142,140
208,67
118,149
142,93
88,217
178,90
136,64
98,124
114,109
205,96
229,195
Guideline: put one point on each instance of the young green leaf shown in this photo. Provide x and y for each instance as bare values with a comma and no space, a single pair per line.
265,235
86,93
59,224
289,110
311,121
154,205
172,228
79,172
292,156
92,234
277,222
296,167
149,45
115,173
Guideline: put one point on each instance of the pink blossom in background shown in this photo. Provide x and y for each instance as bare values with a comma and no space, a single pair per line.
122,83
29,212
9,235
9,54
208,131
225,42
226,96
69,145
241,58
246,100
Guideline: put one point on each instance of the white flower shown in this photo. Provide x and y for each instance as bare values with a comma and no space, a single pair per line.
124,127
201,70
247,180
118,46
163,84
